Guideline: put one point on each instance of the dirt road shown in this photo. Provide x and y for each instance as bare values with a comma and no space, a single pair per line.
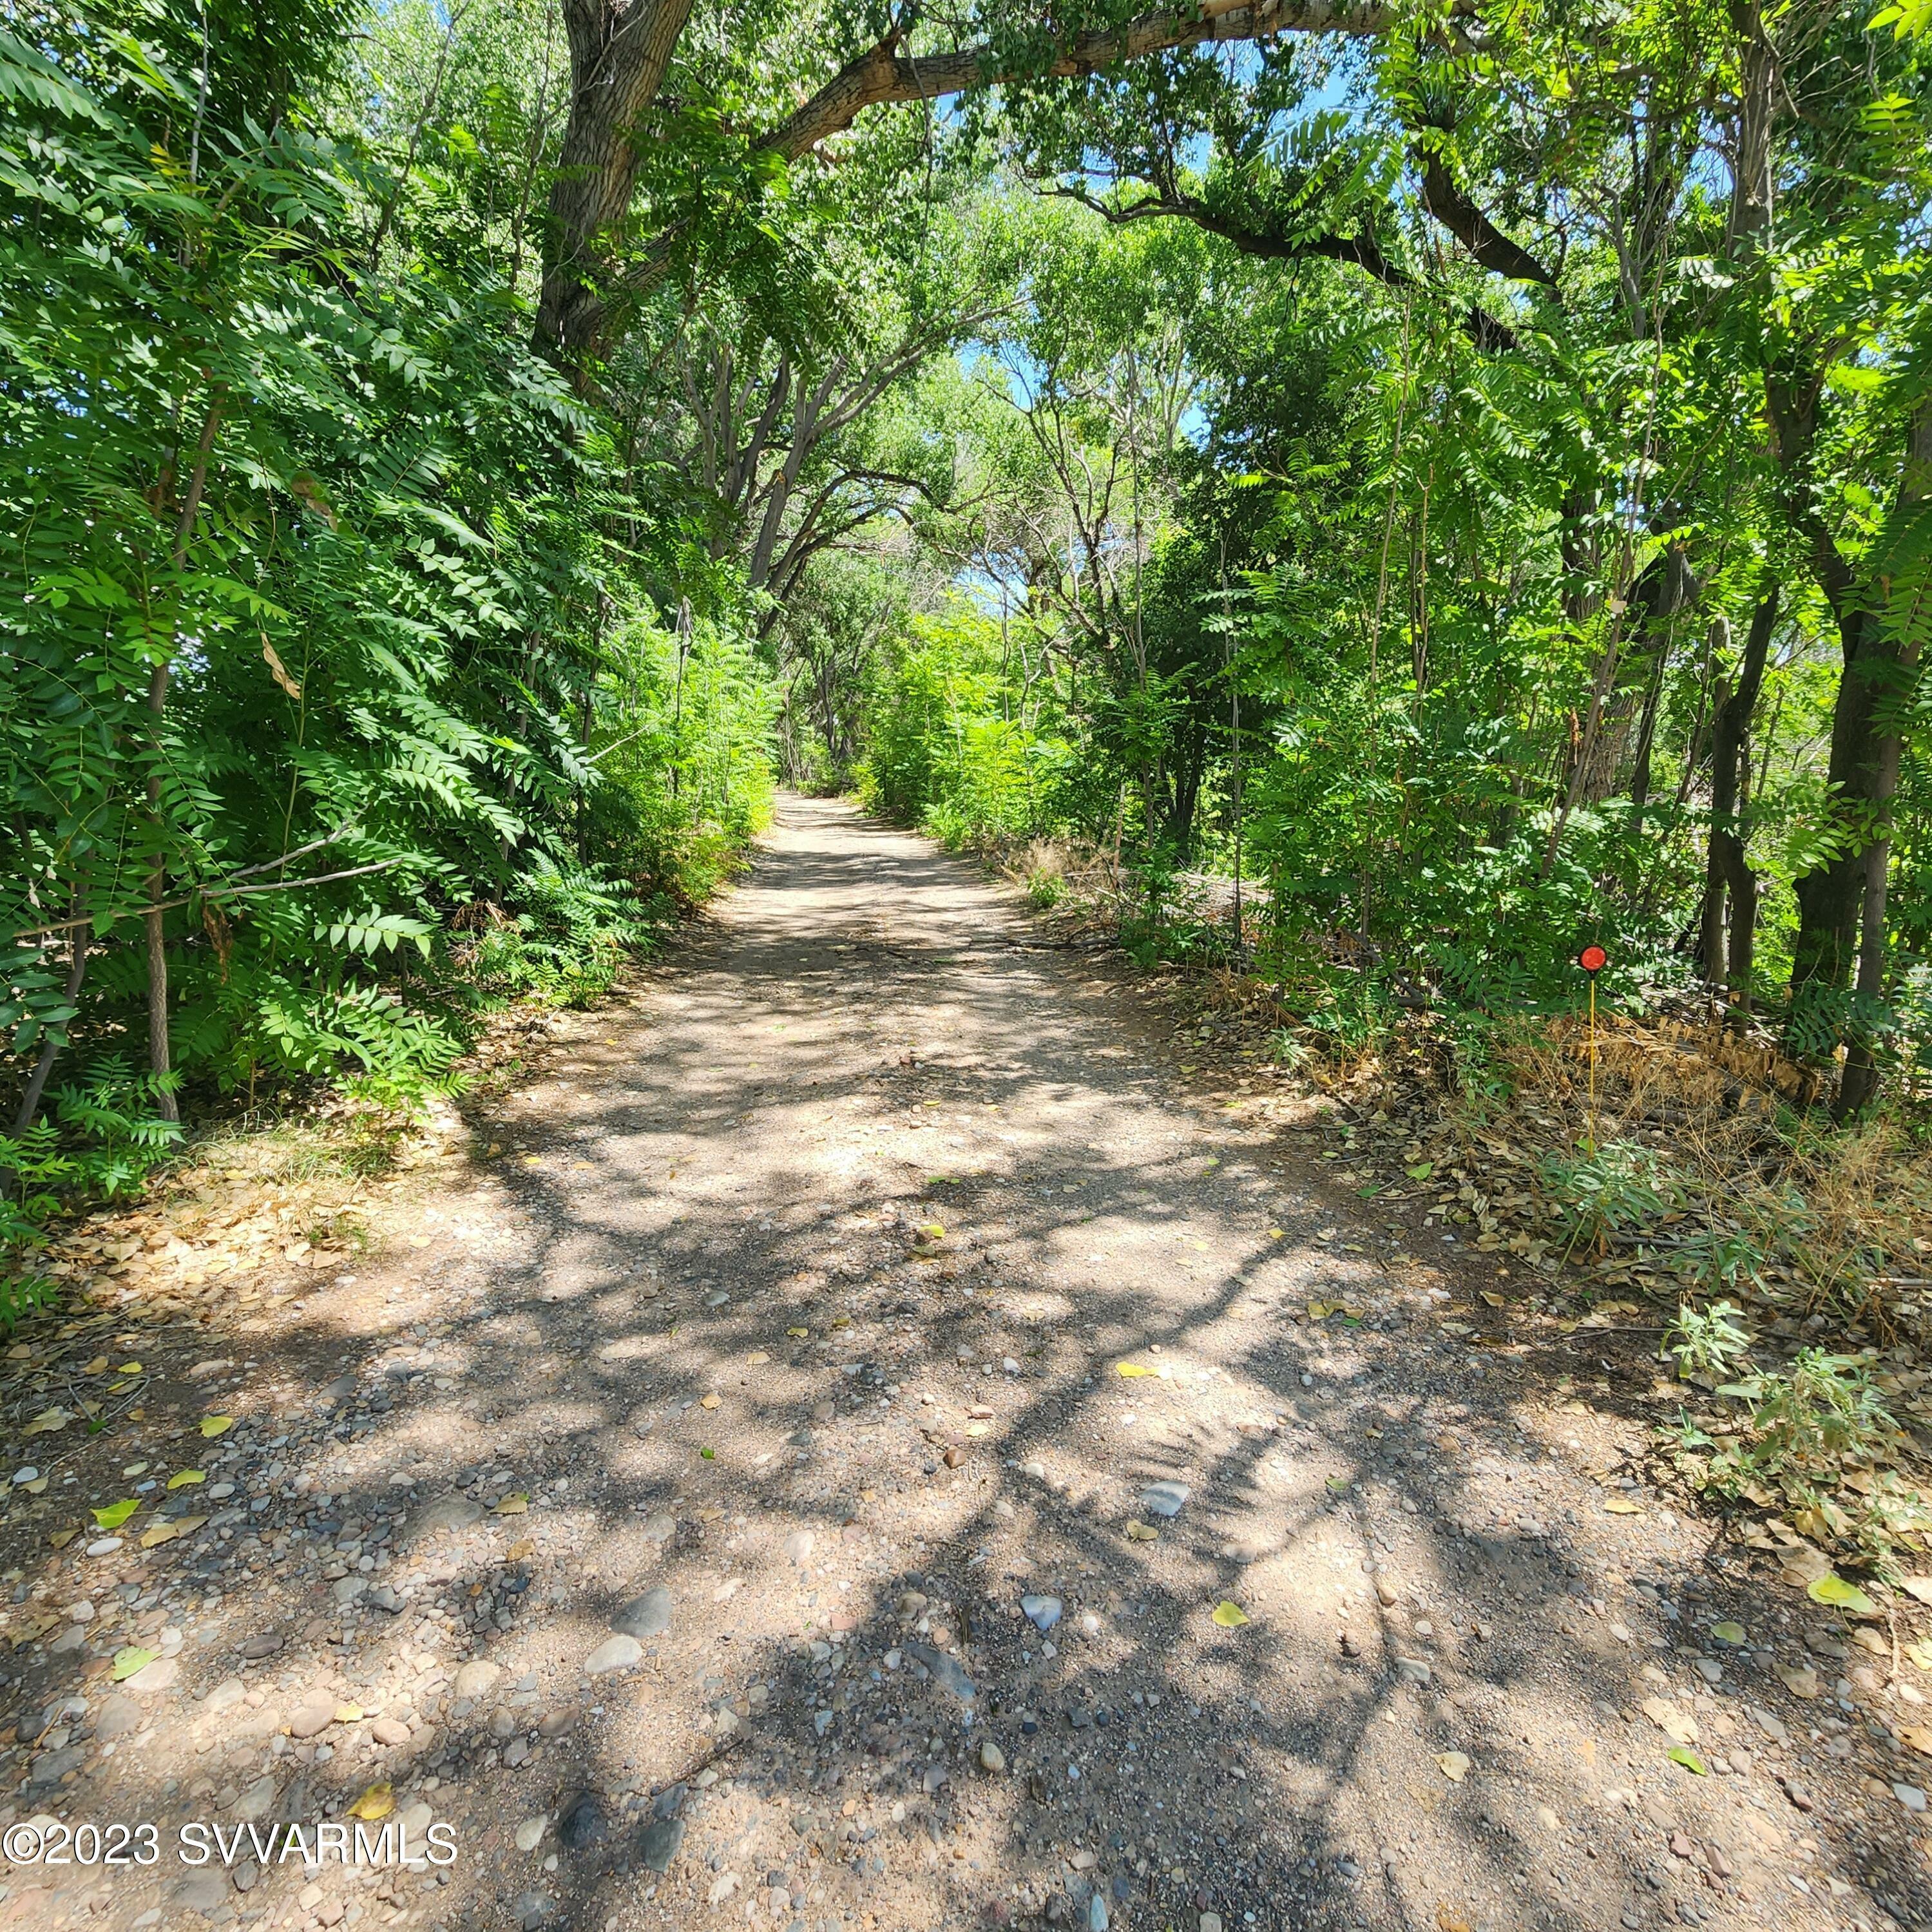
866,1443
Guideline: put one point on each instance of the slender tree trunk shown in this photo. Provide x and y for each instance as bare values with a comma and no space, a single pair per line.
154,919
1729,872
44,1064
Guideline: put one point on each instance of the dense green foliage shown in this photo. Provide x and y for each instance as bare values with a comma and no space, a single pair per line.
338,640
1470,475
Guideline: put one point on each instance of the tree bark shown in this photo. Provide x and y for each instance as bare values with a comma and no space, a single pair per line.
43,1063
154,919
1728,871
1841,904
883,75
619,50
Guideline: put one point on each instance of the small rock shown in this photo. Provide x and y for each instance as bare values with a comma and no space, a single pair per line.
530,1909
346,1589
722,1887
659,1843
659,1527
530,1832
644,1617
945,1671
583,1826
992,1759
390,1732
264,1643
312,1717
1164,1499
1210,1921
247,1875
446,1513
477,1678
163,1674
614,1653
1910,1795
257,1801
117,1716
797,1546
1096,1913
206,1893
1042,1612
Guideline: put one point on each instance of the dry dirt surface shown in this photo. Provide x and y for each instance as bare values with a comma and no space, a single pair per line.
861,1441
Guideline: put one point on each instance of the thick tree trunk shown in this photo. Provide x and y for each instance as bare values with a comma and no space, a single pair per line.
1842,904
619,51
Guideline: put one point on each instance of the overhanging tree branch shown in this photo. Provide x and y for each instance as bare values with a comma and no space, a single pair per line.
883,76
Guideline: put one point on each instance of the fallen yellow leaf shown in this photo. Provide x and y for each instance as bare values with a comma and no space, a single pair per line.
711,1401
514,1505
1623,1506
378,1801
518,1550
1131,1369
1454,1765
1141,1532
1230,1616
216,1425
182,1479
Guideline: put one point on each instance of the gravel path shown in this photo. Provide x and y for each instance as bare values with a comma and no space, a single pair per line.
868,1442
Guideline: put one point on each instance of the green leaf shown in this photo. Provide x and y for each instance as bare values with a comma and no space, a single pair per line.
1832,1589
1682,1754
115,1514
126,1662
